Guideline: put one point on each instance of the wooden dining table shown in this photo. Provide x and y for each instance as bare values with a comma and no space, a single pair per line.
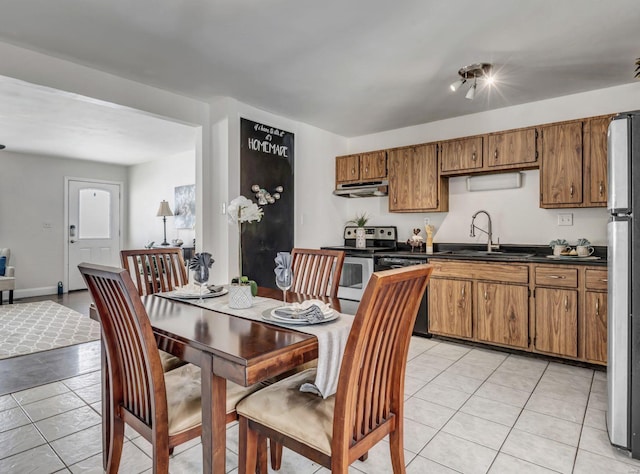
225,347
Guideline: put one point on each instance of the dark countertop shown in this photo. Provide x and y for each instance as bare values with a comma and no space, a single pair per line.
506,253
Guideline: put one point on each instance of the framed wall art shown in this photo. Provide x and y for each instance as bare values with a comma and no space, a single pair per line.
185,207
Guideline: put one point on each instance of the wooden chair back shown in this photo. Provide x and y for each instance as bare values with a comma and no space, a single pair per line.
155,270
370,394
316,272
136,378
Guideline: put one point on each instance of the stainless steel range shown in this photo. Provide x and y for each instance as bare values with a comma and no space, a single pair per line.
358,263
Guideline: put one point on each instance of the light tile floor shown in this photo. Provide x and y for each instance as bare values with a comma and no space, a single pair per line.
467,410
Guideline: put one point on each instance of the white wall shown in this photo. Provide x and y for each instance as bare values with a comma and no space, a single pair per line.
32,195
516,214
317,212
150,183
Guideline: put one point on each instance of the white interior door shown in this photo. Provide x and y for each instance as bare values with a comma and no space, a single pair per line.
94,226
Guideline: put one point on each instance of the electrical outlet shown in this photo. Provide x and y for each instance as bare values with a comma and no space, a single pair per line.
565,219
46,225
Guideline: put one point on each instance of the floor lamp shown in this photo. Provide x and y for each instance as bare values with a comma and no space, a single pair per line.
163,211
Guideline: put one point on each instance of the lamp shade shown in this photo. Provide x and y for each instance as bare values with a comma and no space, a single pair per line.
164,210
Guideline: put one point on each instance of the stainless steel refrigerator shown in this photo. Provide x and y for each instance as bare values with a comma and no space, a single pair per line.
623,229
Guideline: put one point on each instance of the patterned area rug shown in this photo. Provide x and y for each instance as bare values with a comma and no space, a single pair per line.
33,327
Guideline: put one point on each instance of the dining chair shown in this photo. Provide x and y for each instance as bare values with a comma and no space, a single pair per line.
154,271
369,402
164,407
316,272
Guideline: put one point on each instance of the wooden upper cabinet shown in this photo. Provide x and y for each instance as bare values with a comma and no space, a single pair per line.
512,148
562,167
461,155
414,182
503,314
373,165
596,189
347,168
363,167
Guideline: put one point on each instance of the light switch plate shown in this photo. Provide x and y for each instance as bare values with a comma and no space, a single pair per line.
565,218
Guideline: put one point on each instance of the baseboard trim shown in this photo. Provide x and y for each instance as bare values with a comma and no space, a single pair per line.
29,292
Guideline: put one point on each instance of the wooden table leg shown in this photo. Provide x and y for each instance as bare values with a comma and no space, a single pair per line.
214,407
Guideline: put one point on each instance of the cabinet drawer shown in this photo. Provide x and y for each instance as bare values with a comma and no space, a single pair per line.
557,276
502,272
596,279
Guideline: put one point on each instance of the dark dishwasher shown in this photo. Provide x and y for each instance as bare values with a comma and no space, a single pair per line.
421,327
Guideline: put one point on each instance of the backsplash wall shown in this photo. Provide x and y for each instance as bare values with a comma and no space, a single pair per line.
515,215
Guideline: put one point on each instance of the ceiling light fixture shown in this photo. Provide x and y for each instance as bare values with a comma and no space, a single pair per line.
474,71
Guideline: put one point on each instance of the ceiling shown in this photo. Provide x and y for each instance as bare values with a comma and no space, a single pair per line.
354,67
43,121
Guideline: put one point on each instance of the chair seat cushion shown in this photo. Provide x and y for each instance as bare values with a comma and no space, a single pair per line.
184,404
302,416
170,362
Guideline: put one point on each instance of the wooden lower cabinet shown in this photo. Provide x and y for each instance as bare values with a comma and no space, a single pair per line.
450,307
556,328
595,319
554,309
503,314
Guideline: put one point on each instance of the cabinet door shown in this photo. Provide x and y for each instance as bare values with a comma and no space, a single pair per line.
461,155
561,171
450,307
347,168
373,165
595,335
413,179
557,321
503,314
512,148
597,181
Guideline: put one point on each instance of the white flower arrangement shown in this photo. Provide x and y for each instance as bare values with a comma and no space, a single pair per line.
239,211
242,210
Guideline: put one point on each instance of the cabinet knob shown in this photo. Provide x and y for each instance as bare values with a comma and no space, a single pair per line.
485,295
463,291
571,190
566,303
598,307
557,277
473,156
366,170
495,154
601,188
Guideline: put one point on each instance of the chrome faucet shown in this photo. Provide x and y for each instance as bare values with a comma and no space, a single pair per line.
490,245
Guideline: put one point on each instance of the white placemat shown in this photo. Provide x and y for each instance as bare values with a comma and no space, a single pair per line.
332,338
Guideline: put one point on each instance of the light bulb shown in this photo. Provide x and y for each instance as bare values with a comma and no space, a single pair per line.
471,93
454,87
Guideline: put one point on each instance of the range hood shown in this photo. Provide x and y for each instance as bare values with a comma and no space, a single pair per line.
357,190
